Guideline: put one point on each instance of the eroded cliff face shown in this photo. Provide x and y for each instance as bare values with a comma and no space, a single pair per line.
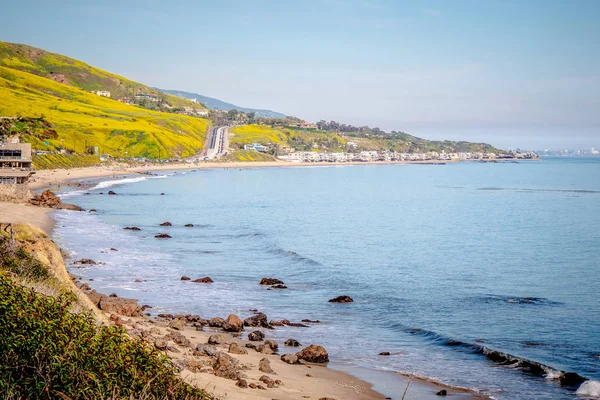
35,242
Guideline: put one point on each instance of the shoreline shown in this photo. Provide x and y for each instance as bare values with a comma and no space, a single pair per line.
331,377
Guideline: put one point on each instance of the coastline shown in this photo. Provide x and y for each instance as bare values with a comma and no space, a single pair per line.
330,381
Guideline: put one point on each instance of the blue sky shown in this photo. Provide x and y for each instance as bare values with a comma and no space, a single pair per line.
512,73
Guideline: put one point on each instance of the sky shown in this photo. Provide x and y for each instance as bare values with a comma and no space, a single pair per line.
513,73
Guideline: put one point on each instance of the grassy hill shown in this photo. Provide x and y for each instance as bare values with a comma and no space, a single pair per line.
75,73
82,119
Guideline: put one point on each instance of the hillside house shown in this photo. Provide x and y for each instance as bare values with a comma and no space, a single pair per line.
103,93
15,163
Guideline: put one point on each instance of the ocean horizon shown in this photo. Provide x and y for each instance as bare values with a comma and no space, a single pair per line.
481,276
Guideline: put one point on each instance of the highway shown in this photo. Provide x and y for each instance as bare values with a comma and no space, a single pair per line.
216,145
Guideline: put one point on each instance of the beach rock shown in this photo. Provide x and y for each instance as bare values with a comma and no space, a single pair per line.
178,338
121,306
162,194
270,347
292,343
216,322
161,344
310,321
225,366
206,279
265,366
203,350
132,228
270,281
442,392
327,398
276,323
259,319
270,382
50,200
341,299
233,323
113,249
250,346
185,278
113,295
217,339
162,236
242,383
314,354
296,324
189,225
145,306
85,261
194,366
235,348
111,193
177,324
167,223
289,358
385,353
256,336
93,210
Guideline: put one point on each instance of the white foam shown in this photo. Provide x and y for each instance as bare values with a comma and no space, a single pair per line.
107,184
590,389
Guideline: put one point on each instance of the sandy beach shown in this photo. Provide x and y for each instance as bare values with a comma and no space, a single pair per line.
299,381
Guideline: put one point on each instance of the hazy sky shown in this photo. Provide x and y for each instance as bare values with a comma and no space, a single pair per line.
512,73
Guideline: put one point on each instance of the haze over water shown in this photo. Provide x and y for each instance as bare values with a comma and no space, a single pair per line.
439,260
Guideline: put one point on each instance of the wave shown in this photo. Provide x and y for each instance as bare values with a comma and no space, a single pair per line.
293,256
110,183
489,298
589,389
540,190
564,378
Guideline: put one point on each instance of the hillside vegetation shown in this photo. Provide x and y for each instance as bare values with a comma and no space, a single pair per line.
78,74
49,349
82,119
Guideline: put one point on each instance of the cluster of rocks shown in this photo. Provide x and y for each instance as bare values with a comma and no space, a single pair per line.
274,283
206,279
50,200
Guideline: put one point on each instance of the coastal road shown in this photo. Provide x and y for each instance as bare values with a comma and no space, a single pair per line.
216,144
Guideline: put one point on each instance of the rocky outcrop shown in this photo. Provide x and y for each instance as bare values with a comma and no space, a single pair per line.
292,343
206,279
132,228
271,281
166,223
235,348
119,305
162,236
256,336
314,354
176,324
233,323
225,366
257,320
185,278
85,261
50,200
111,193
216,322
189,225
217,339
289,358
341,299
265,366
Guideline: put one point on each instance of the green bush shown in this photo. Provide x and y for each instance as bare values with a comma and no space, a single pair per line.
46,351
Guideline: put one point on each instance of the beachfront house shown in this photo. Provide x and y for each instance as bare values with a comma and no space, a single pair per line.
15,163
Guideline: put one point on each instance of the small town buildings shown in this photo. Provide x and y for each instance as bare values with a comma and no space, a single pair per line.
146,96
103,93
256,147
15,163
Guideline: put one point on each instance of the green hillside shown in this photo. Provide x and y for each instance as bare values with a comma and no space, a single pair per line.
81,119
75,73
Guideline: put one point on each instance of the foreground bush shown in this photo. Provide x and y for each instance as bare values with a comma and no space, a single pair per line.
48,352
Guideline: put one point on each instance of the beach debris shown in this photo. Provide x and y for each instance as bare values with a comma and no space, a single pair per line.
341,299
111,193
206,279
189,225
216,322
85,261
264,365
314,354
176,324
162,236
292,343
233,323
256,336
185,278
242,383
442,392
289,358
235,348
271,281
225,366
132,228
217,339
166,223
385,353
259,319
50,200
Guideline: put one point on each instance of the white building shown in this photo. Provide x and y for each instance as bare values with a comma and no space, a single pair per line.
103,93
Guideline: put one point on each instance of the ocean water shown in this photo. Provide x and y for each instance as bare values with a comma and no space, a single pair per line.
445,263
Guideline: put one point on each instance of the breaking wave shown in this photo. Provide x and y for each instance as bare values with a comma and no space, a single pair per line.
292,255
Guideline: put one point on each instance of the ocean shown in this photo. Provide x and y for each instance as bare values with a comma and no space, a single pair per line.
477,275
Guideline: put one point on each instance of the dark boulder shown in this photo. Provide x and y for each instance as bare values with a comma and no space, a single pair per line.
314,354
256,336
292,343
185,278
442,392
167,223
110,192
189,225
385,353
271,281
341,299
259,319
162,236
206,279
132,228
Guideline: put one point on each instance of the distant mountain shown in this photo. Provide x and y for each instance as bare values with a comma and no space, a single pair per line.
221,105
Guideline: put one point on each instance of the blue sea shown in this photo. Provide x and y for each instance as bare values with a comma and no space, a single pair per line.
477,275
